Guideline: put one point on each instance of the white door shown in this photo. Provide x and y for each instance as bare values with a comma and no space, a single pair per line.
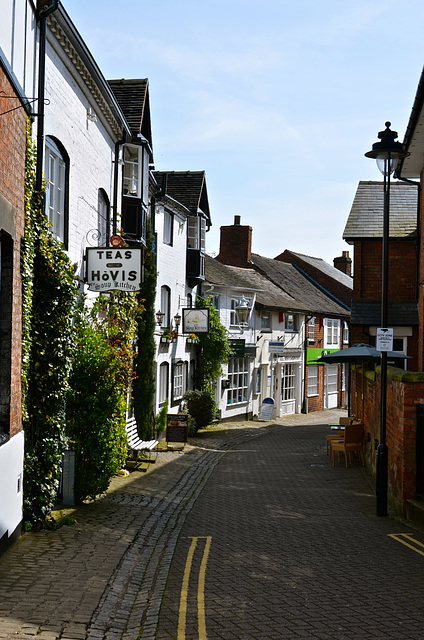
288,389
331,390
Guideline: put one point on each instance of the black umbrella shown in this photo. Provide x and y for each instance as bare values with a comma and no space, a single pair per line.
358,353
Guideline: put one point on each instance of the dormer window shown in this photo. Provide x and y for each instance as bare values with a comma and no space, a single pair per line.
132,171
196,233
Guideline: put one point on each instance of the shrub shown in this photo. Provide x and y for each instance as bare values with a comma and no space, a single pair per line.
200,408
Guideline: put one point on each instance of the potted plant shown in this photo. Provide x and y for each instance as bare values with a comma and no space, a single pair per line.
192,338
169,335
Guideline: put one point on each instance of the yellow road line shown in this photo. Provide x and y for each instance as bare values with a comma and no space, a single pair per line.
201,591
182,614
398,537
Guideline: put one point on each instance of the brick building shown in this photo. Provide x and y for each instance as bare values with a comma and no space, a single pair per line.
16,84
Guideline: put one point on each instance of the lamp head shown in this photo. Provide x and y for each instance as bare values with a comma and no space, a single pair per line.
387,152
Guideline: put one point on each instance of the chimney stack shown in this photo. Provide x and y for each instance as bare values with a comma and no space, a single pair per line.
344,263
235,244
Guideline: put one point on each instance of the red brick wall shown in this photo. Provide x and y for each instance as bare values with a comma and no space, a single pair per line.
404,392
12,177
402,270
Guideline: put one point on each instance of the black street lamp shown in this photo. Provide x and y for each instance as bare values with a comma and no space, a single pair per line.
387,152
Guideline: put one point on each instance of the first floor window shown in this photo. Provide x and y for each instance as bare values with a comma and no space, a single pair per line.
56,184
331,333
179,380
168,227
103,217
312,380
163,382
288,382
311,329
238,375
165,305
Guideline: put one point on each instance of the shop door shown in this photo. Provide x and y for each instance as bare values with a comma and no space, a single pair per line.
288,389
331,386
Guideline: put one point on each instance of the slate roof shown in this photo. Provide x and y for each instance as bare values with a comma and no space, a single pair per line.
188,188
268,295
324,267
292,282
133,98
368,312
366,215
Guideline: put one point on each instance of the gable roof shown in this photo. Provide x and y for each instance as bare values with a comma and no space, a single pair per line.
268,295
188,188
413,141
290,280
366,215
320,265
133,98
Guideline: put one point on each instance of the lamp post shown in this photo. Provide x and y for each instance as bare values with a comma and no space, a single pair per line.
387,153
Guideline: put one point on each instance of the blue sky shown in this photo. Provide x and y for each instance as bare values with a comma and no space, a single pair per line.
277,101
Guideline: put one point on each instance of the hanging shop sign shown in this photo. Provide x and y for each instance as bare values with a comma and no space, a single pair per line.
238,348
195,320
114,269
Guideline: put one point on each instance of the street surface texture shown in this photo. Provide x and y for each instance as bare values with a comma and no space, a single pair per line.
250,533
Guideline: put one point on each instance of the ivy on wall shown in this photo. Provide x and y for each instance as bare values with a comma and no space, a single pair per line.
49,299
144,383
100,381
214,349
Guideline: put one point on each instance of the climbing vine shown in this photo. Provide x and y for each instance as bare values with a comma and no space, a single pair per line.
144,382
49,299
100,381
214,349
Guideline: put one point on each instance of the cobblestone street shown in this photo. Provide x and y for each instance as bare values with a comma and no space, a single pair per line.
250,533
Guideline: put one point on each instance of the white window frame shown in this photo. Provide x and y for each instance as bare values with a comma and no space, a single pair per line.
290,322
163,382
265,320
288,382
165,305
102,217
196,233
332,373
311,329
331,333
345,332
132,178
168,227
233,314
55,178
179,382
238,375
312,380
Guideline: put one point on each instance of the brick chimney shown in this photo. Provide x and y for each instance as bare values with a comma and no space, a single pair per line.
235,244
344,263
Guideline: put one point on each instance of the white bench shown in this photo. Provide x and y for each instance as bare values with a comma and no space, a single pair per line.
136,446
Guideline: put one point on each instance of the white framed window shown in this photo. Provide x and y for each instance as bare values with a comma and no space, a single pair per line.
345,332
312,380
168,227
163,382
233,314
179,383
102,217
196,233
290,320
331,333
266,321
165,305
288,382
56,181
238,375
258,379
311,329
132,179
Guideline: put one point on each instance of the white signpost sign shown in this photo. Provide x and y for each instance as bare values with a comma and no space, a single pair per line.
384,339
111,268
276,347
267,409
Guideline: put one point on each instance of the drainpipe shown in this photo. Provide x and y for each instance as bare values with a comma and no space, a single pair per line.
43,14
118,144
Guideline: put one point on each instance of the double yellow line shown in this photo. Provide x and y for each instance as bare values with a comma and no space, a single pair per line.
403,537
201,616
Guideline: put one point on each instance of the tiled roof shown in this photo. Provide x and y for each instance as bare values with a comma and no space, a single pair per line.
324,267
133,98
188,188
368,312
293,283
366,215
268,295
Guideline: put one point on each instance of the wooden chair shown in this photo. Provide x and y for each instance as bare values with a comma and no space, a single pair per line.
343,421
351,442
